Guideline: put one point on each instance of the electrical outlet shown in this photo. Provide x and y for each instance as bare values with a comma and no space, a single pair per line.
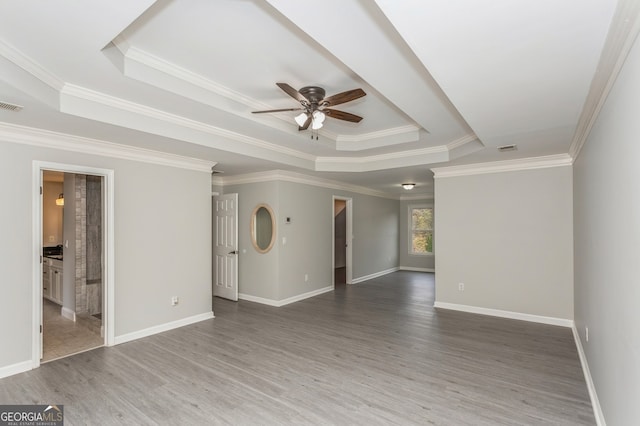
460,286
175,300
586,333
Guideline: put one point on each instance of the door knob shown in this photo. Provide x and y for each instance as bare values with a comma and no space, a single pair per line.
233,252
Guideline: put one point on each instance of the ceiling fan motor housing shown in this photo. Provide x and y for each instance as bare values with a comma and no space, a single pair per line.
314,94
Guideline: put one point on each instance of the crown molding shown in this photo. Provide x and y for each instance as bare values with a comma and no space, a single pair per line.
530,163
145,60
623,31
157,63
135,108
287,176
379,139
53,140
466,139
422,156
379,134
414,157
29,65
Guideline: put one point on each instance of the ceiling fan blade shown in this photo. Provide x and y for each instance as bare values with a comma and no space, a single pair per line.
343,97
277,110
306,124
341,115
291,92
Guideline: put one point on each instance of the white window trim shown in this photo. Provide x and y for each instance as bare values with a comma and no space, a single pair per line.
410,208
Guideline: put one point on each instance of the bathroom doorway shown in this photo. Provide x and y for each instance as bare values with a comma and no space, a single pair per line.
73,282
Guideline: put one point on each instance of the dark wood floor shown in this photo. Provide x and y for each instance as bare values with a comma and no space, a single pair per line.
372,353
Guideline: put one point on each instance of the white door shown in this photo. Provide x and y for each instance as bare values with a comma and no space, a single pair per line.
225,281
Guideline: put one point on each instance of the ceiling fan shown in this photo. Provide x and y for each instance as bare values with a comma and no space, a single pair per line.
315,107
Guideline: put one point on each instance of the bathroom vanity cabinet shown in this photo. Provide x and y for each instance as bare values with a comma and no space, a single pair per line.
52,280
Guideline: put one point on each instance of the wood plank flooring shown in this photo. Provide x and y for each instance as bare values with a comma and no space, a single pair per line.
375,353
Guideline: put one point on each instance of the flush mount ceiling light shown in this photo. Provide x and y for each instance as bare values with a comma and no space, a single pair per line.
408,186
60,200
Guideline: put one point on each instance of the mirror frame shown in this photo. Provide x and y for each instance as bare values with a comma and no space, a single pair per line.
252,226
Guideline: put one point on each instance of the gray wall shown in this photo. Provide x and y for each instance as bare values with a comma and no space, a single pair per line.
407,260
607,233
162,243
508,237
257,273
279,274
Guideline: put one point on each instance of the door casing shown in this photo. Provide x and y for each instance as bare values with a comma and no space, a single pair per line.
108,248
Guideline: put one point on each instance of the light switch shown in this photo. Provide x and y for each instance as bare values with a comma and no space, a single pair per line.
284,241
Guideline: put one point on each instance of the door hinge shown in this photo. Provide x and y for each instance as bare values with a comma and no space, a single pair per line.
40,328
40,190
40,258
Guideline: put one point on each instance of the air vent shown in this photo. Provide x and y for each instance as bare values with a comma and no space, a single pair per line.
505,148
10,107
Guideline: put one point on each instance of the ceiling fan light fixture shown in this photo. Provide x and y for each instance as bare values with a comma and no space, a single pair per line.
301,119
408,186
319,116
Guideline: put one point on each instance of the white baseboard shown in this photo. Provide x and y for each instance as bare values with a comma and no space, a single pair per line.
20,367
410,268
374,275
162,327
505,314
68,314
595,403
279,303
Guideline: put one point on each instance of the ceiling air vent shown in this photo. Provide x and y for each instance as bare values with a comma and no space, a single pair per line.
10,107
505,148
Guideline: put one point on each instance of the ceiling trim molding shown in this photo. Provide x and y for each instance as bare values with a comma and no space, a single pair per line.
461,141
160,64
623,31
530,163
379,134
287,176
378,139
422,156
53,140
141,57
29,65
135,108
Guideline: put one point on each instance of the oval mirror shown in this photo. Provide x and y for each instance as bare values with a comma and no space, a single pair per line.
263,228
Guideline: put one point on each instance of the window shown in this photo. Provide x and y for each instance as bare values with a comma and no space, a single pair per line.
421,230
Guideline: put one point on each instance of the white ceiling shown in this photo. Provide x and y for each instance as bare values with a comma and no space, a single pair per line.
447,82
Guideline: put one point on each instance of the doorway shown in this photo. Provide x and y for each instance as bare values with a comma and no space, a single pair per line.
342,236
73,268
72,278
